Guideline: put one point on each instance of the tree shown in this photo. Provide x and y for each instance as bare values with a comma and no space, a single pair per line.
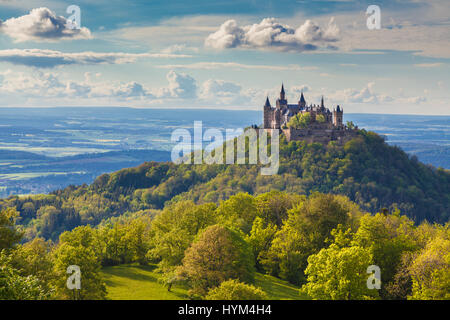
235,290
388,236
86,237
239,212
92,285
430,271
320,118
300,121
15,286
339,274
260,239
116,249
137,238
219,254
273,206
306,231
33,259
174,229
9,235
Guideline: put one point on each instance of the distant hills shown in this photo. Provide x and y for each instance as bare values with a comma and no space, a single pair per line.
24,172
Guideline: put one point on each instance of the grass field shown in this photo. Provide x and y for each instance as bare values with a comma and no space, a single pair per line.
136,282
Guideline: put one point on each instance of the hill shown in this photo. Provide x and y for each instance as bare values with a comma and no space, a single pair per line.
366,169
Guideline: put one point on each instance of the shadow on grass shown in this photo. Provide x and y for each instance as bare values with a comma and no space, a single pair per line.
278,289
118,276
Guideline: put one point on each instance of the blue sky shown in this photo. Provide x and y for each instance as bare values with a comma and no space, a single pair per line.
226,54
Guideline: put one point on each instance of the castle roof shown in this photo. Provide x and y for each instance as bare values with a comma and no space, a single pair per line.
302,98
267,104
282,88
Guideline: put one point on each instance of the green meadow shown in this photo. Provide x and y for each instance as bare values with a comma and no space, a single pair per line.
134,282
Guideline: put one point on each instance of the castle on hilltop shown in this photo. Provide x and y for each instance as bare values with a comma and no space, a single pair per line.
313,123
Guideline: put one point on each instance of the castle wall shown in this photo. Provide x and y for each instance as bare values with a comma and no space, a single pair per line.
320,135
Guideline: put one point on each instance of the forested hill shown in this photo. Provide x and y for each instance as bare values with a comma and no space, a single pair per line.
366,169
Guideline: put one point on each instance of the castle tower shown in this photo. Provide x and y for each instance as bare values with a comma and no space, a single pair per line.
267,113
282,102
337,116
302,102
322,105
277,124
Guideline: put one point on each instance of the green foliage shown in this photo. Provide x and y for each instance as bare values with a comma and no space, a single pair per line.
320,118
323,241
339,274
219,254
235,290
174,229
300,121
351,125
387,237
273,206
33,259
306,231
365,169
430,271
238,212
9,235
92,286
260,239
14,286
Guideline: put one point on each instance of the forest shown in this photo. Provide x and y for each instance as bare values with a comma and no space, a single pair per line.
332,211
322,243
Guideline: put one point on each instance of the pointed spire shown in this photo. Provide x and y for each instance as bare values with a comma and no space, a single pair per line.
321,103
302,98
267,104
282,95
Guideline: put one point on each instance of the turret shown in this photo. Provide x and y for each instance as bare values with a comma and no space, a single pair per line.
282,94
302,102
337,116
267,104
267,114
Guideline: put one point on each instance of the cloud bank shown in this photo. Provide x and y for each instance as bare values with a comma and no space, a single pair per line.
272,35
41,25
50,58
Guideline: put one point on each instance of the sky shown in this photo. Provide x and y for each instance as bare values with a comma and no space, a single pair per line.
226,54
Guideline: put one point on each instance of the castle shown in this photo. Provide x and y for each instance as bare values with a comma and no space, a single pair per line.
311,123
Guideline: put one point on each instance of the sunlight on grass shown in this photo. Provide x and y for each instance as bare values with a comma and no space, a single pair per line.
134,282
278,289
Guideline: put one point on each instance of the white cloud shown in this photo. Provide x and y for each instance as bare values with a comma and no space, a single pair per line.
364,95
50,86
270,34
41,58
413,100
421,31
179,48
428,65
234,65
42,25
181,86
297,90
